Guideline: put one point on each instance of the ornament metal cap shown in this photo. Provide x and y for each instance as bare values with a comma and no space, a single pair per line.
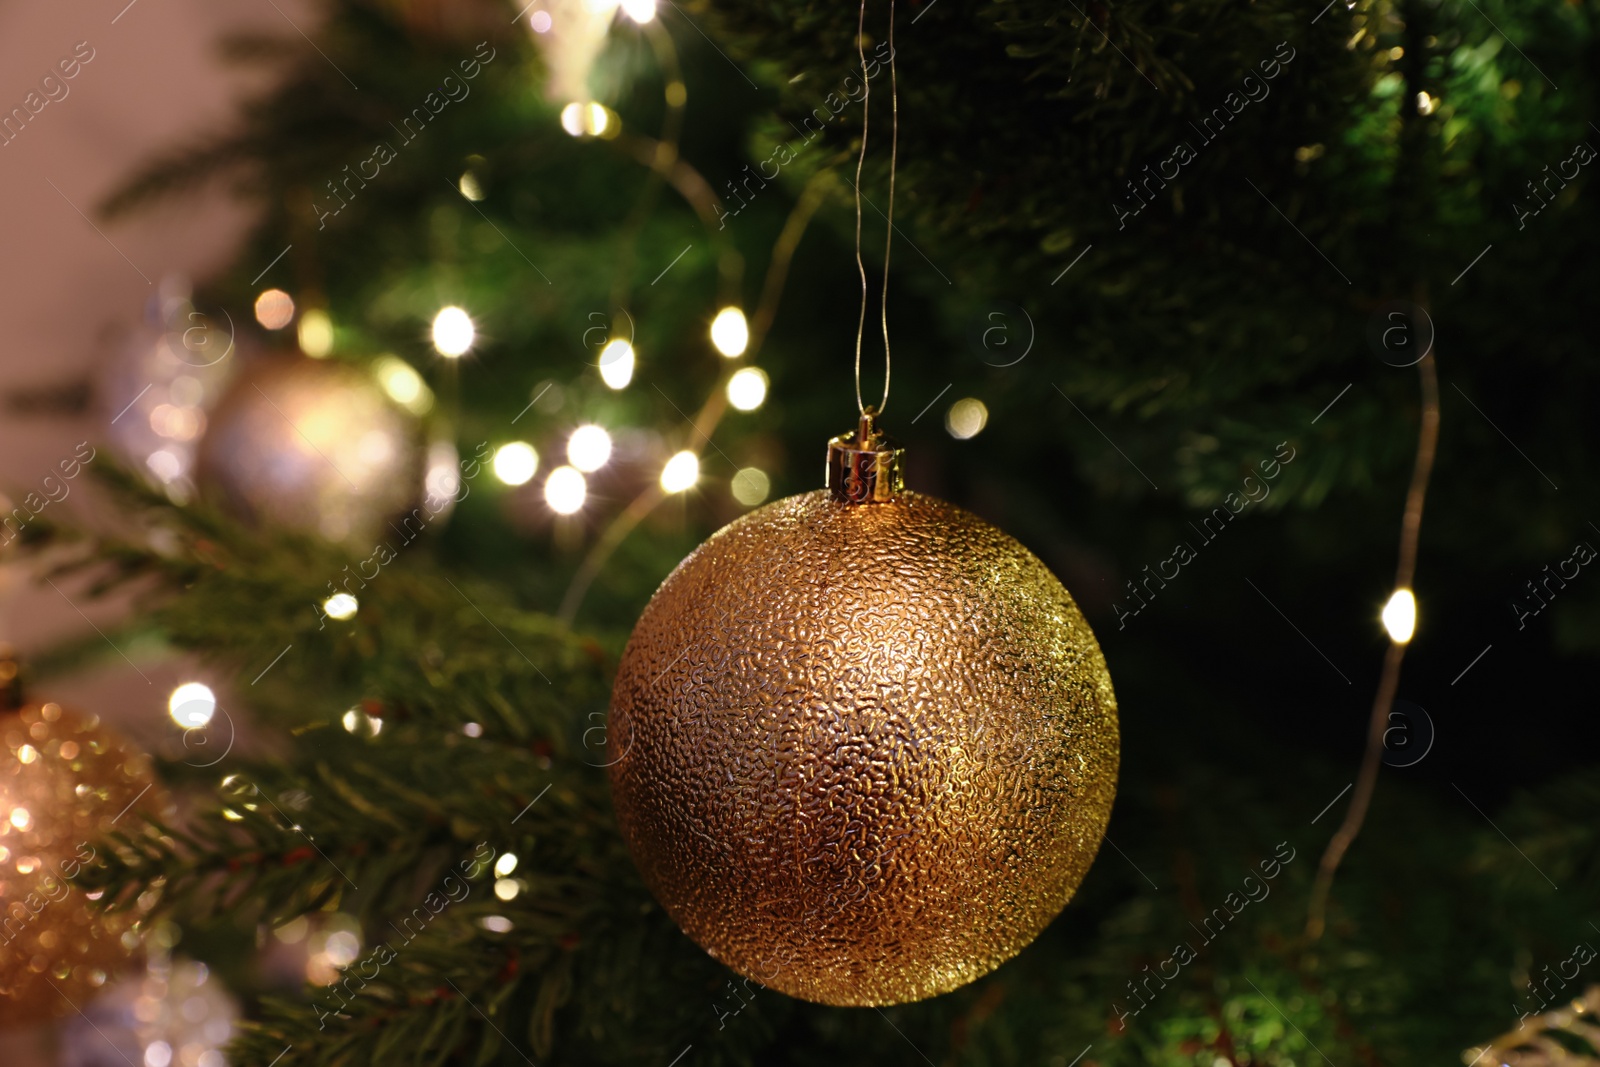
864,467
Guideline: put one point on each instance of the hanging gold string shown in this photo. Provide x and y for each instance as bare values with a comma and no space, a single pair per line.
888,239
866,117
894,140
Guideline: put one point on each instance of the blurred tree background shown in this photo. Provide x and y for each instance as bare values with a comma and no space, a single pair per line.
1141,248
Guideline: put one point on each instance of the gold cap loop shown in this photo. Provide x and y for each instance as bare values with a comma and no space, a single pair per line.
864,467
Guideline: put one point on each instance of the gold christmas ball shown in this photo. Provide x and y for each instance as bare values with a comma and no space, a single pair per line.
64,782
312,445
869,749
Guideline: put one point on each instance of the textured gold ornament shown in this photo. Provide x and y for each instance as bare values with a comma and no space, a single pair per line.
868,750
64,781
312,446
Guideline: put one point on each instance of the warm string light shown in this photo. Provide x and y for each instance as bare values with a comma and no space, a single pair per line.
681,472
730,333
192,704
616,364
453,332
747,389
565,490
516,463
589,448
1400,616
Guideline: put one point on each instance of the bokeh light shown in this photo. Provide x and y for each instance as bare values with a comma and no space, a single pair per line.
453,332
747,389
589,447
565,490
730,333
966,418
590,120
403,384
192,704
316,333
274,309
1400,616
341,606
681,472
616,364
751,486
640,11
515,463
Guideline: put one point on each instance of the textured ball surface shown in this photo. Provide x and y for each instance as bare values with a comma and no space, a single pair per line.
867,752
312,446
64,782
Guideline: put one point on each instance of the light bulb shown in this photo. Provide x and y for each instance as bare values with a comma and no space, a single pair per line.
747,389
453,332
681,472
192,704
515,463
616,364
589,447
565,490
1400,616
730,333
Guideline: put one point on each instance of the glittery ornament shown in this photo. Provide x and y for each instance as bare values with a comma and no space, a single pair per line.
867,743
313,446
64,782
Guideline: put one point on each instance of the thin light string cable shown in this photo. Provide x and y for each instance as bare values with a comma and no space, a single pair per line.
888,239
861,267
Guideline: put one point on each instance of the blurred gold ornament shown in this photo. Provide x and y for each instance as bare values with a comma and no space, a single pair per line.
64,782
313,446
867,743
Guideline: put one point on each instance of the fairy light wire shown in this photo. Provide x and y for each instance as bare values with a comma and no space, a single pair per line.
888,242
